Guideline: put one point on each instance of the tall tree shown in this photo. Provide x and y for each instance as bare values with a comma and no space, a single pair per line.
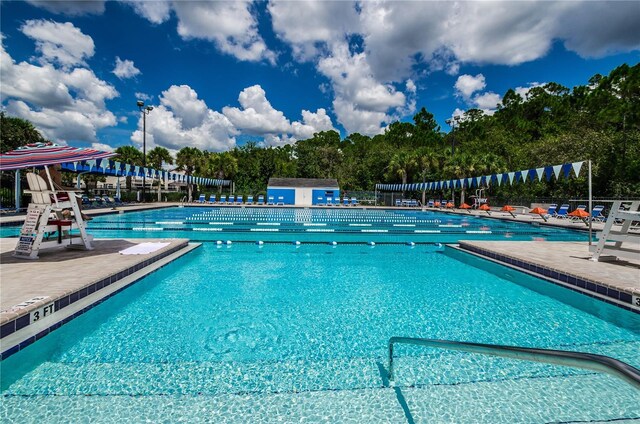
188,160
156,158
129,155
17,132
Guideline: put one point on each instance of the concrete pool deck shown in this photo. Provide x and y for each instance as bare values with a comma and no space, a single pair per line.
568,264
39,295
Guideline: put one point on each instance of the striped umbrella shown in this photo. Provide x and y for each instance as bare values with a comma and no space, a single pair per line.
41,154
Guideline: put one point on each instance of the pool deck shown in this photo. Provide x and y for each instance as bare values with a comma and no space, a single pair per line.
567,264
63,283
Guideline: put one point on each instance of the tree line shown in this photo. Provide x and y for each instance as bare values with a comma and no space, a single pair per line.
551,124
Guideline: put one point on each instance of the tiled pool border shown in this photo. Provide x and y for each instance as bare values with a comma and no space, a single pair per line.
614,296
22,322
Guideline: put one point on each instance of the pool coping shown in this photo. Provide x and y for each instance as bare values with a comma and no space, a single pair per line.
618,296
18,332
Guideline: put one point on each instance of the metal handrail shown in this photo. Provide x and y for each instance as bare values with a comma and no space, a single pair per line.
588,361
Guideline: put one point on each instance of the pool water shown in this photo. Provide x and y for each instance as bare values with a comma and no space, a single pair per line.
283,333
333,224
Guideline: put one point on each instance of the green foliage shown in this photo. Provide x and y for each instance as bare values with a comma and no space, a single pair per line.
16,132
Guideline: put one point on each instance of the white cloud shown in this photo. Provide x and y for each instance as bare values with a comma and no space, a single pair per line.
487,101
63,105
182,120
125,69
259,117
231,26
524,91
102,147
71,7
144,97
59,43
466,85
156,12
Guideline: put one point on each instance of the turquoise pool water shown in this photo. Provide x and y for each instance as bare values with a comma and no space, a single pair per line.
333,224
281,333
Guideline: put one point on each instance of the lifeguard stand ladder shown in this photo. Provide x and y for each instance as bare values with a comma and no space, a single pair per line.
631,240
37,222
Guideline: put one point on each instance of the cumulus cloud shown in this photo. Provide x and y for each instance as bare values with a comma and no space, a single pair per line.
71,7
125,69
487,101
62,104
258,117
156,12
59,43
102,147
182,119
466,85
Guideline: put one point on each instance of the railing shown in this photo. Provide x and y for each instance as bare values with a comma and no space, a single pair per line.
581,360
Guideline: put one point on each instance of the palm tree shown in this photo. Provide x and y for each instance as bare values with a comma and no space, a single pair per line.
156,157
401,165
428,162
221,166
188,160
129,155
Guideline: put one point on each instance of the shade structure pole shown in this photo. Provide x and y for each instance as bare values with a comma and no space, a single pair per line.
375,199
590,203
17,190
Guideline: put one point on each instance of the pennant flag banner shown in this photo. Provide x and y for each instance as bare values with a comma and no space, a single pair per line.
114,168
525,175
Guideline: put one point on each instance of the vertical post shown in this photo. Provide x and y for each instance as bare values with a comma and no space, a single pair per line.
144,154
18,190
590,205
375,199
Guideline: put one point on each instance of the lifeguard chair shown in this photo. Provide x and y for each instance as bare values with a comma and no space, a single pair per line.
44,216
479,198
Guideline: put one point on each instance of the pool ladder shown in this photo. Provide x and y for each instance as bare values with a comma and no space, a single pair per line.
587,361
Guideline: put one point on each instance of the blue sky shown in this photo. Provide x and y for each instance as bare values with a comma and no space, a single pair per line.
221,73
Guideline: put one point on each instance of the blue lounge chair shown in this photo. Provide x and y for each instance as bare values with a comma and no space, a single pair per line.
413,203
345,201
270,200
239,200
398,203
596,214
551,211
232,199
354,201
249,200
223,199
280,200
261,199
200,199
431,203
212,198
563,212
320,201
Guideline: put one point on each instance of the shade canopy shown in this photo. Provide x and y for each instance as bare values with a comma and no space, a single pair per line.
580,213
484,207
465,206
507,208
41,154
538,211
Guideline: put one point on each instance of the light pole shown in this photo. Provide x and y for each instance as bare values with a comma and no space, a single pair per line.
145,111
452,123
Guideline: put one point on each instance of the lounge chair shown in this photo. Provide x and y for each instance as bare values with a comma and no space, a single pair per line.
329,201
563,212
596,214
413,203
320,201
249,200
398,203
200,199
280,200
345,201
271,200
239,200
232,199
431,203
354,201
223,199
261,199
551,210
212,198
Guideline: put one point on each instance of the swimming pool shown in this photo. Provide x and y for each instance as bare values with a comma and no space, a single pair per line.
316,225
245,333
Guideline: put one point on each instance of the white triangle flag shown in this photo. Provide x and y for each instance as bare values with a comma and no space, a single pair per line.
523,175
75,166
576,167
91,163
511,174
478,181
556,170
540,172
499,177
